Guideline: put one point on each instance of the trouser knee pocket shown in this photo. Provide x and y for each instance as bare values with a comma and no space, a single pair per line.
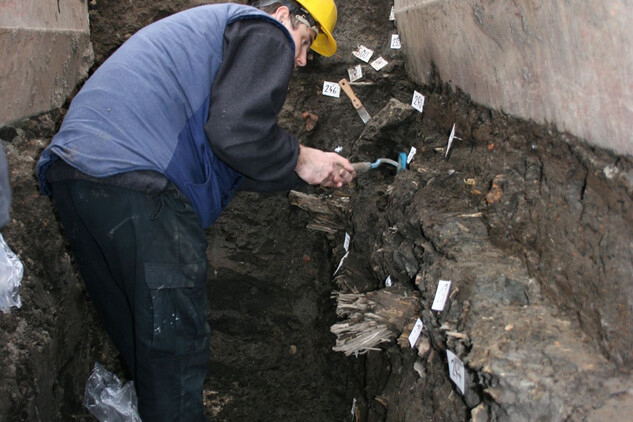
179,302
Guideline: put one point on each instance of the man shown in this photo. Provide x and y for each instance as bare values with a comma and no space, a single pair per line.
152,149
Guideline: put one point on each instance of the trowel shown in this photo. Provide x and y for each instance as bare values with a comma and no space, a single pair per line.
364,115
364,166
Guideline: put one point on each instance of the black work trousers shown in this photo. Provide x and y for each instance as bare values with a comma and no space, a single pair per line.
144,264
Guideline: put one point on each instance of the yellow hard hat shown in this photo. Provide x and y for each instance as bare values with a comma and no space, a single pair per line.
324,12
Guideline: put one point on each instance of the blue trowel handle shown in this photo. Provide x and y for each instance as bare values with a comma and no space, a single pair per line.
402,161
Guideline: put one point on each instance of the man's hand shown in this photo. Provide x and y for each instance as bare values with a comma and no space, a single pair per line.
327,169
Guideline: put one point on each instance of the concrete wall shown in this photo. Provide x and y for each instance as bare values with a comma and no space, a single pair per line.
45,49
568,62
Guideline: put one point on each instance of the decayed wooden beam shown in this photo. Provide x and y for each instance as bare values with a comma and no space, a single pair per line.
325,219
323,228
325,222
311,203
372,318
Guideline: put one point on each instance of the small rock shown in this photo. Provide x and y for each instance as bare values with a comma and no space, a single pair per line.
424,346
311,120
418,366
496,192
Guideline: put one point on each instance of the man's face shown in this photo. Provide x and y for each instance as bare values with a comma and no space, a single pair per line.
302,35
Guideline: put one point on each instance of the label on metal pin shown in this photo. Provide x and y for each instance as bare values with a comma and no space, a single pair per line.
395,42
456,371
415,333
450,140
411,154
355,73
441,294
331,89
379,63
346,243
341,263
418,101
363,53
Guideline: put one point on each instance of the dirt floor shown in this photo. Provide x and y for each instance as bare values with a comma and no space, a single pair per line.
532,227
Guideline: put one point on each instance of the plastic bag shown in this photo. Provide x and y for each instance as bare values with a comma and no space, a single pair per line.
11,271
108,400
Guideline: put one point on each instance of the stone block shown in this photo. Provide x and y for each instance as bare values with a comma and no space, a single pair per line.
566,62
47,51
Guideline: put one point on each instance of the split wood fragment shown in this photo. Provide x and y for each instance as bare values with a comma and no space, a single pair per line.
372,318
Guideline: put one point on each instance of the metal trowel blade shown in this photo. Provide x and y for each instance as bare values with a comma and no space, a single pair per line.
364,115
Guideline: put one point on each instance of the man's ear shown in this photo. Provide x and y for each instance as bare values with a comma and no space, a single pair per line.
282,13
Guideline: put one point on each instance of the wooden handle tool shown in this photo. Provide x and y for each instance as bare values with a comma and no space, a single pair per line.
345,86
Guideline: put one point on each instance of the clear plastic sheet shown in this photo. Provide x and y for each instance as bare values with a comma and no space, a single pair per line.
108,399
11,271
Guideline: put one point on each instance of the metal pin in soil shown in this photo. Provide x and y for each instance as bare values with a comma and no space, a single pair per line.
450,141
400,165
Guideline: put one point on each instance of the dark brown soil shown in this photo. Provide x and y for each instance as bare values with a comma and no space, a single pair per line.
532,226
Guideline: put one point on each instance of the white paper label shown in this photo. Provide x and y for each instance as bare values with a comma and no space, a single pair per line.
418,101
331,89
388,282
379,63
395,42
411,154
355,73
440,295
415,333
450,140
346,242
392,14
363,53
456,371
